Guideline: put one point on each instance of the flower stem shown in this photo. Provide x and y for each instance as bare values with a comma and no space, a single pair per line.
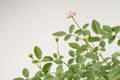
58,51
76,23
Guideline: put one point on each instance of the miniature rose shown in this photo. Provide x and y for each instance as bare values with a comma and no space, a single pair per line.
70,14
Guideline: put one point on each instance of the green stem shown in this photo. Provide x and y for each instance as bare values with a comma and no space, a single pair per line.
76,22
38,65
58,51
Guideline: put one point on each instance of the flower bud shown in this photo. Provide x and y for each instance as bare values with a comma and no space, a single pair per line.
56,39
70,14
86,37
31,56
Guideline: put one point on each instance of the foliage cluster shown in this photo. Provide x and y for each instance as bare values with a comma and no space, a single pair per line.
86,61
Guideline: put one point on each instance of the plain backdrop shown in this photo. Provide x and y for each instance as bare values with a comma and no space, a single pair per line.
26,23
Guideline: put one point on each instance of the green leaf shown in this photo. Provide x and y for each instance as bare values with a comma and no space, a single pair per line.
70,61
86,32
111,39
25,72
67,37
96,26
79,32
77,39
118,42
59,71
116,54
38,52
102,44
93,39
74,69
59,33
117,29
48,77
19,78
80,59
46,67
74,45
115,73
55,55
35,61
85,26
107,28
58,61
71,53
47,58
39,74
106,36
71,29
91,55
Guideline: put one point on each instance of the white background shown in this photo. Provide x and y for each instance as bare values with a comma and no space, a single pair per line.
26,23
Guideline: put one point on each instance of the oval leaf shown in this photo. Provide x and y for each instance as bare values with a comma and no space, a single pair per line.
102,44
71,53
118,42
71,29
46,67
96,26
85,26
47,58
70,61
107,28
74,45
59,33
38,52
25,72
19,78
67,37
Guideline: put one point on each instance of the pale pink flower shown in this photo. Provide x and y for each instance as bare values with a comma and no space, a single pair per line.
70,14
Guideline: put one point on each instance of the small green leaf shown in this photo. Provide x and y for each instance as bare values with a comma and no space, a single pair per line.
117,29
74,69
58,61
106,36
93,39
77,39
35,61
59,33
80,59
55,55
19,78
71,29
111,39
116,54
107,28
46,67
74,45
47,58
25,72
96,26
102,44
86,32
59,71
70,61
67,37
91,55
39,74
79,32
38,52
118,42
71,53
85,26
